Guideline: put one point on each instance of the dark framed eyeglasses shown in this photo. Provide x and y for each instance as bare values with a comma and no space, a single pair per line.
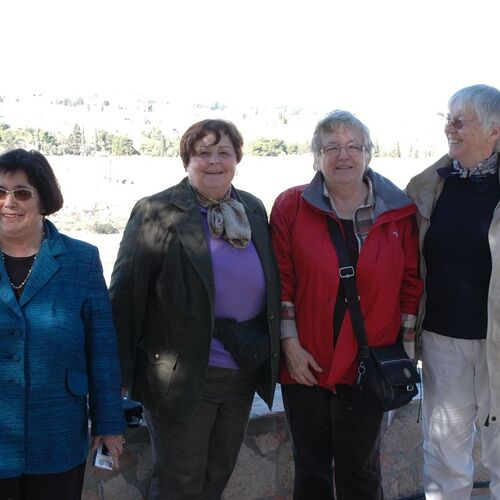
20,194
335,150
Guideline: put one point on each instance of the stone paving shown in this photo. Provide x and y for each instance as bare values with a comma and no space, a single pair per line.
264,470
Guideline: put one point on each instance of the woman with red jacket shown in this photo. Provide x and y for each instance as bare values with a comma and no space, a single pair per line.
328,419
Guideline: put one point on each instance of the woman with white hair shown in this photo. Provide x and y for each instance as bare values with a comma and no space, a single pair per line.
459,317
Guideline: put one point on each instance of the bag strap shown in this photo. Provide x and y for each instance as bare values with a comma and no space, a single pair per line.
347,275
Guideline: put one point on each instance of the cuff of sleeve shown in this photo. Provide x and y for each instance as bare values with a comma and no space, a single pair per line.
288,325
289,329
408,323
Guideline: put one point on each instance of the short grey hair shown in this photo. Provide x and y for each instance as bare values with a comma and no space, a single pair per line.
336,119
484,101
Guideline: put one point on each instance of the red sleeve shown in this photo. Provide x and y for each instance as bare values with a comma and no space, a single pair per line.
412,285
282,219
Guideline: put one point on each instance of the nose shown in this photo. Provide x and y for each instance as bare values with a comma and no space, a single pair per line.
343,152
9,199
214,158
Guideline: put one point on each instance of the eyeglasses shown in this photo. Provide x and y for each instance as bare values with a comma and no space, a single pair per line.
335,150
20,194
456,123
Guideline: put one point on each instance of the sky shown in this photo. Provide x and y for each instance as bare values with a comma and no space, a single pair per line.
394,61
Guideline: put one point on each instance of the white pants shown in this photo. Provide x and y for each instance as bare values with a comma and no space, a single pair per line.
455,404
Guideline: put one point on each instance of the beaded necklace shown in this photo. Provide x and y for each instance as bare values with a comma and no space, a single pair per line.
18,287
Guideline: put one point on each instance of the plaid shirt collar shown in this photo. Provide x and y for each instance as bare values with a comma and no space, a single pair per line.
364,215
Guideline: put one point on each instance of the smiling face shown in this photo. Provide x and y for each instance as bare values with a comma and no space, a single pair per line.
342,167
212,167
470,143
19,220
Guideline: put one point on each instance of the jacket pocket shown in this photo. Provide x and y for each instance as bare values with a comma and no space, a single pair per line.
77,383
159,368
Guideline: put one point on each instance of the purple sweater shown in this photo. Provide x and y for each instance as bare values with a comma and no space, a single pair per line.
240,287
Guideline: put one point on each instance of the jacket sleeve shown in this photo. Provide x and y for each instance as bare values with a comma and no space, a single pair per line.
282,216
131,282
411,286
103,367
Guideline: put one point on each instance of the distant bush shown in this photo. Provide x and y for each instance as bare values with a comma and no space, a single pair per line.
105,228
267,147
155,143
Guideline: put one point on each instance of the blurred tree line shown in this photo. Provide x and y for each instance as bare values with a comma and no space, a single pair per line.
153,142
101,142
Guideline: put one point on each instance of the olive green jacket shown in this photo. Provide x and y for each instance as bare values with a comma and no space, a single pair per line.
162,292
425,189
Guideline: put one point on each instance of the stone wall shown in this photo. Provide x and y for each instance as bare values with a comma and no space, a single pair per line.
265,466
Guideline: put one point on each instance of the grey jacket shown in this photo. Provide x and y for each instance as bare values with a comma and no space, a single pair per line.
425,189
162,293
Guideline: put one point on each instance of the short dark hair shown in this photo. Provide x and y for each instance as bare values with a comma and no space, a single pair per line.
199,130
39,173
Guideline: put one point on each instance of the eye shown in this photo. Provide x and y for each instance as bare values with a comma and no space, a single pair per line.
354,148
23,194
331,149
203,154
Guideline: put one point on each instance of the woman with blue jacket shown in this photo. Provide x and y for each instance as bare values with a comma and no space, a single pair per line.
58,353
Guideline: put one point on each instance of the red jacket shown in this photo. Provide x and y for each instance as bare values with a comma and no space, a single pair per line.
387,274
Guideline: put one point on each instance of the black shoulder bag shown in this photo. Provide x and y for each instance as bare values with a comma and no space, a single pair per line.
385,372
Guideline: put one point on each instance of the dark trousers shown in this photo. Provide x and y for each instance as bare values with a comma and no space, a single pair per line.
193,458
66,485
336,444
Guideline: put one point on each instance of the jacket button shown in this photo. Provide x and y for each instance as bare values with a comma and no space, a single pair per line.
15,333
271,316
15,357
274,355
157,356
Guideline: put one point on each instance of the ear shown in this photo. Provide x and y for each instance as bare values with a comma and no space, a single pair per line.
494,134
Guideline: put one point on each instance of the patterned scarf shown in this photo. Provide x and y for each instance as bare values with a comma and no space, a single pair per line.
226,218
477,174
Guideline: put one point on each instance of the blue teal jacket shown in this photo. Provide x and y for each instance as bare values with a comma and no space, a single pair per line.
57,346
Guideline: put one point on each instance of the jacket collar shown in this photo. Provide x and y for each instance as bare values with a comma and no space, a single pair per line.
386,194
192,234
44,268
184,197
426,187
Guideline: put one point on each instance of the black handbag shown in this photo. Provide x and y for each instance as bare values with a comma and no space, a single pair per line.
247,341
387,373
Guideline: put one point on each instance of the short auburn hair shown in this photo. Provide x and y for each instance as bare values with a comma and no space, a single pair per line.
199,130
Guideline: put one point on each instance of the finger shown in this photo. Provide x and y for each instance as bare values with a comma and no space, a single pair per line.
95,443
116,461
304,377
310,378
314,364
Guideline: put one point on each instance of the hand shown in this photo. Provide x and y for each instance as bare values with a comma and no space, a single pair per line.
409,342
409,347
113,443
298,361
